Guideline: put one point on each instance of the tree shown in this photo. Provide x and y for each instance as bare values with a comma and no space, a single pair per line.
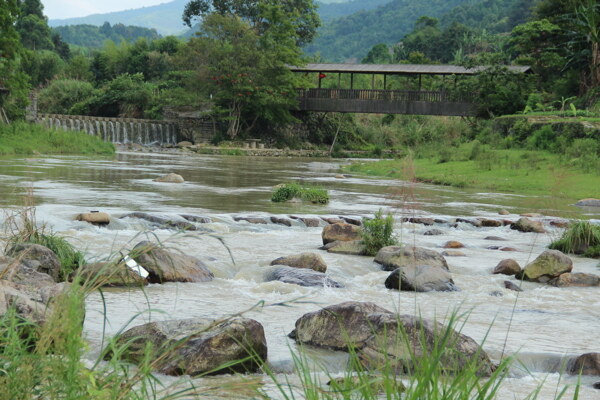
379,54
33,27
301,13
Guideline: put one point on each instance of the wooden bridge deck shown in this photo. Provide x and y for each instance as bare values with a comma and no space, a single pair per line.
383,102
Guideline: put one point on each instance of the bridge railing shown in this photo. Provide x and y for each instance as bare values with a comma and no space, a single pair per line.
376,95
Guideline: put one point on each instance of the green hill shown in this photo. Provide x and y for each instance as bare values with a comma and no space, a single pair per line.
94,36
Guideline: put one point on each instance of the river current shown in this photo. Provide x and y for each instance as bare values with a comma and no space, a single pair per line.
543,325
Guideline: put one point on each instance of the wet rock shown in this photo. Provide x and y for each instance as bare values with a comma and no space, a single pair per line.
343,232
184,143
393,257
251,220
596,385
281,221
421,278
419,220
372,332
491,223
303,260
433,232
588,203
441,221
111,274
507,267
496,238
94,218
197,346
550,264
170,178
331,220
527,225
560,224
195,218
352,220
496,293
512,286
340,176
301,277
586,364
162,222
353,248
38,257
508,249
453,244
166,266
310,222
503,212
576,280
453,253
475,222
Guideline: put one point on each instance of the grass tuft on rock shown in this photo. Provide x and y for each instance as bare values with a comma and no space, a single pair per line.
582,237
377,233
289,191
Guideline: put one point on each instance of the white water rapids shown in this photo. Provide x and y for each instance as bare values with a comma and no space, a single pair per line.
543,325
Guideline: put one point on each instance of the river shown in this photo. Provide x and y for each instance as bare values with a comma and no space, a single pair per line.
542,325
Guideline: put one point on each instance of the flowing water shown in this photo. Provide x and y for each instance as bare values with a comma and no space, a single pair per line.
543,325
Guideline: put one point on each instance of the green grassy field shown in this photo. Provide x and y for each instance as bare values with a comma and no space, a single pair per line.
510,171
24,138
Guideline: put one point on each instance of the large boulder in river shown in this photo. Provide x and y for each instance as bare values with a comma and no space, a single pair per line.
111,274
303,260
576,280
13,270
586,364
548,265
507,266
197,346
393,257
421,278
588,203
170,178
353,247
373,332
341,231
167,266
300,276
37,257
163,221
527,225
94,218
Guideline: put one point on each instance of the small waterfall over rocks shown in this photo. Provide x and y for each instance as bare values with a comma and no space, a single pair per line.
116,130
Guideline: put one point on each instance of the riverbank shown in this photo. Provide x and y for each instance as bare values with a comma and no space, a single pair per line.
25,138
508,171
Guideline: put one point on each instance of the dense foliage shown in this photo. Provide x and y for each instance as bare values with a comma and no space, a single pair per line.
378,232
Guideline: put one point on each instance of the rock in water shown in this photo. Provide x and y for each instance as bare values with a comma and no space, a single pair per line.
576,280
170,178
421,278
301,277
167,266
353,248
38,257
303,260
94,218
162,222
527,225
373,333
196,346
588,203
548,265
511,286
507,267
111,274
342,231
433,232
393,257
586,364
453,244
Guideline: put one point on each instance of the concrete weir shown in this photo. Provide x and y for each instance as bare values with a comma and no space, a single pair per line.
116,130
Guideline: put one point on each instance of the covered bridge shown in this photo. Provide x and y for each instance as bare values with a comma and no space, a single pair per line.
386,100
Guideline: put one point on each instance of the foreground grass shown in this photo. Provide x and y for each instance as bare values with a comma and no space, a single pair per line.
510,171
25,138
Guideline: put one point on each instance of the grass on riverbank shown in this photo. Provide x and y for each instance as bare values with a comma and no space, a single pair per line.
25,138
289,191
511,171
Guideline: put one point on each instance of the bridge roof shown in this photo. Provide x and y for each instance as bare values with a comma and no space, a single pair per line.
400,69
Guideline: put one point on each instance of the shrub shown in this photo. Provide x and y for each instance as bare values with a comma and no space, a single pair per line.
289,191
582,237
60,96
377,233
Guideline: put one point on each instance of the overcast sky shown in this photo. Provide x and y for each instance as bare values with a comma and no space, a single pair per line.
59,9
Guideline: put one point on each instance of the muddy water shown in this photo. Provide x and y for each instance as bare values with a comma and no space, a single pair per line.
542,325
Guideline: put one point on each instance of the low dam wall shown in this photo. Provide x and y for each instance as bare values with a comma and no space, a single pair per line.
116,130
